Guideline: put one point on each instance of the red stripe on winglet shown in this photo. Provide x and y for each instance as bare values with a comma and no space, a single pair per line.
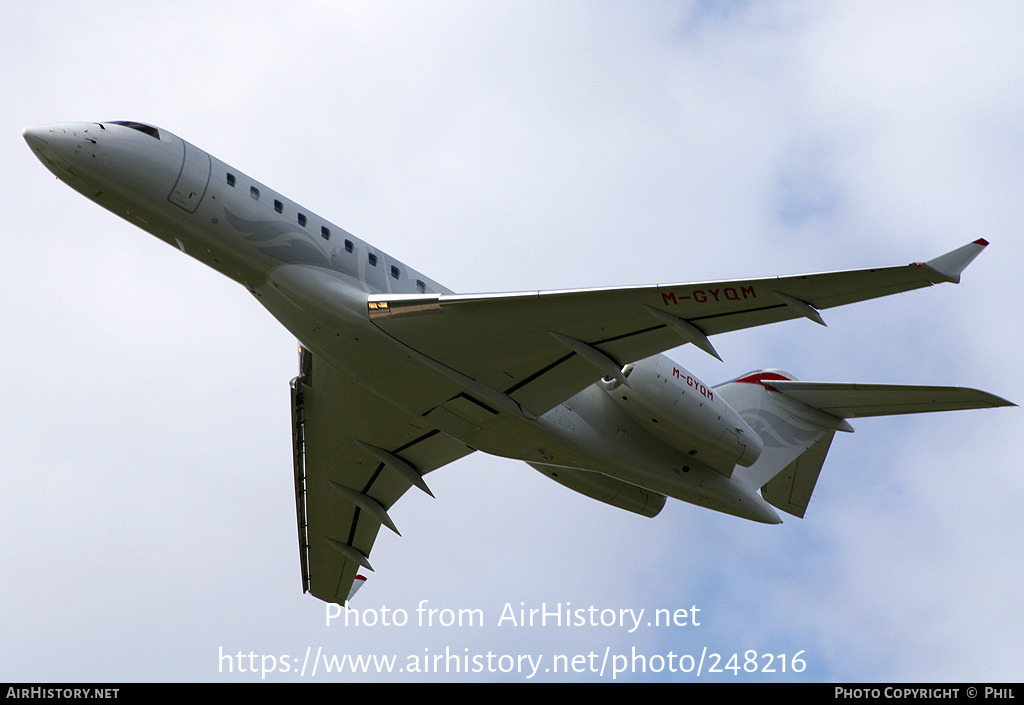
981,241
760,378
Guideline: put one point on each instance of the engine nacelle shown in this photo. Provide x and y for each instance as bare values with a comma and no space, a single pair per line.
677,405
605,489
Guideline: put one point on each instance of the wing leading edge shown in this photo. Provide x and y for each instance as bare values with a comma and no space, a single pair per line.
542,347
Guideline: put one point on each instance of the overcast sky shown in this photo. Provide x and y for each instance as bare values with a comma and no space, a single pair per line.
146,503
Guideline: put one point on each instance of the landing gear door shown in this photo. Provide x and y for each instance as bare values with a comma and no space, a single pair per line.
193,179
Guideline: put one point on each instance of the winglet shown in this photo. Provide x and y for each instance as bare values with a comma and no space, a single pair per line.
356,584
950,265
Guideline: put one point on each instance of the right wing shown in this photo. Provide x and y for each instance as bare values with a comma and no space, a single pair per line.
355,456
540,348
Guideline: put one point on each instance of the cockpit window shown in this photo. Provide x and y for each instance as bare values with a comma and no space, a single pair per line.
145,129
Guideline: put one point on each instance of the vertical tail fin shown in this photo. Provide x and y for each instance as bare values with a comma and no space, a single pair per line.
796,438
797,420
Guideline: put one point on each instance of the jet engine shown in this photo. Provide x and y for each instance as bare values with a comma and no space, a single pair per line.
679,407
605,489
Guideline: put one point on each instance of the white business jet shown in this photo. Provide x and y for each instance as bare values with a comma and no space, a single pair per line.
400,376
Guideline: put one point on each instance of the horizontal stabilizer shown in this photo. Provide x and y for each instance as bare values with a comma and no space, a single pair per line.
850,401
797,421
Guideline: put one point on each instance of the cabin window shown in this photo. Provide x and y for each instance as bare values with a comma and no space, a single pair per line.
325,233
421,287
302,220
231,180
254,192
394,272
278,206
372,259
349,246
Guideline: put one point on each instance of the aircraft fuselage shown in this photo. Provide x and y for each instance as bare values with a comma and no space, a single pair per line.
317,280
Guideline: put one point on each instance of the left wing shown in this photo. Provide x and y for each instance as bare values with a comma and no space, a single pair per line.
355,456
542,347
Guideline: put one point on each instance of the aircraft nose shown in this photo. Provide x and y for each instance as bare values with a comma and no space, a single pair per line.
55,145
37,137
